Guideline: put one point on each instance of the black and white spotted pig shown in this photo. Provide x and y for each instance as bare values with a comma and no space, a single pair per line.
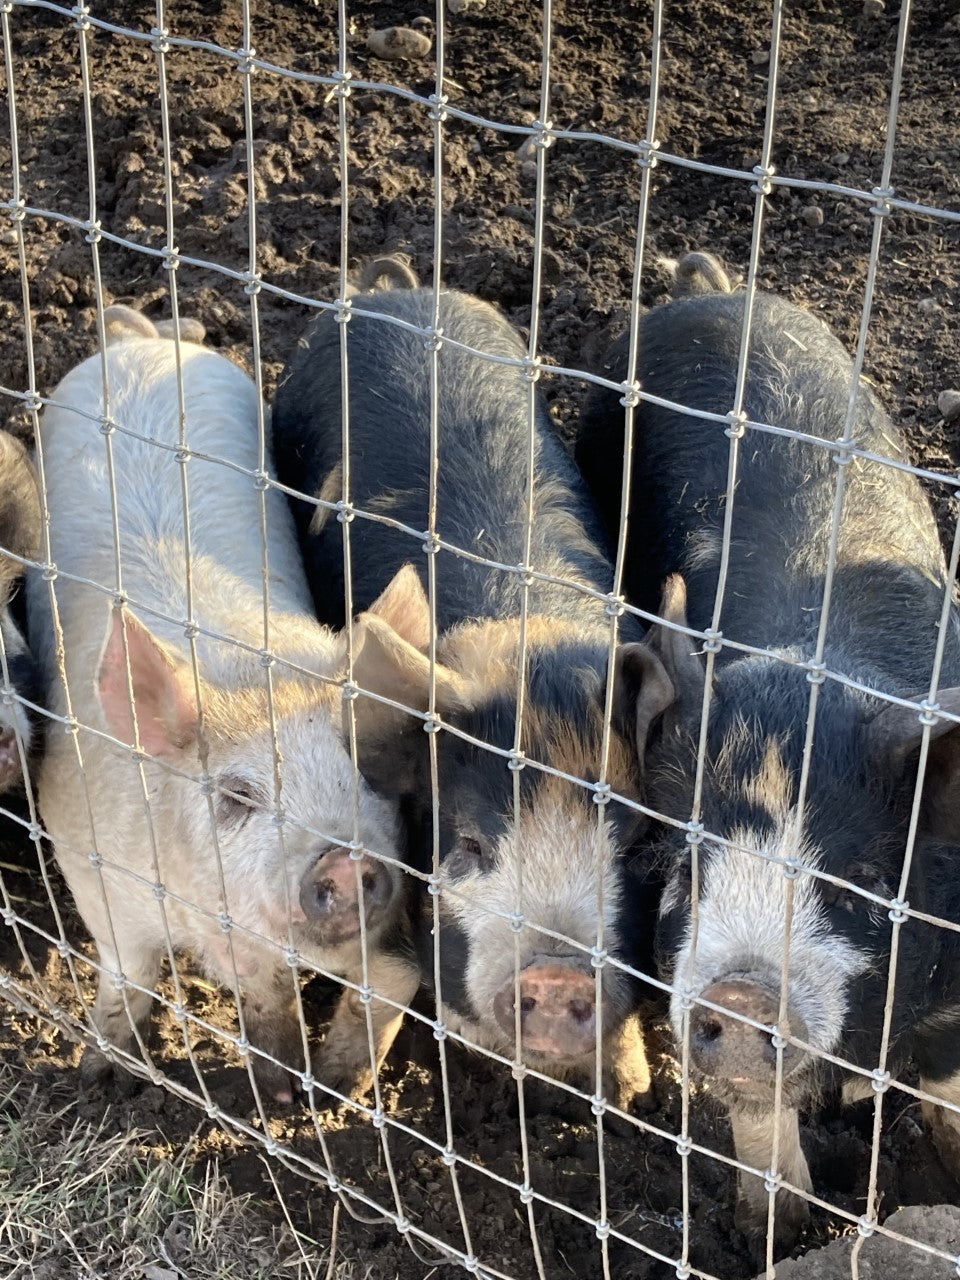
888,593
19,535
550,858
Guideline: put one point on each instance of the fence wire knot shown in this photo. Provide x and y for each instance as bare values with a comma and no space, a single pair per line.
738,425
432,722
438,107
771,1181
695,833
16,208
532,366
433,338
81,17
842,455
254,283
439,1031
225,921
517,921
93,233
614,607
631,395
160,42
542,134
449,1157
433,884
159,892
866,1227
95,859
898,911
106,426
601,793
345,513
292,957
341,83
648,148
816,671
431,543
525,1192
603,1230
882,201
684,1145
245,59
712,640
879,1080
929,712
683,1271
171,257
349,691
763,185
32,401
598,957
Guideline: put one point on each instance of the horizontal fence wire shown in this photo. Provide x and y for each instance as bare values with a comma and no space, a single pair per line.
30,994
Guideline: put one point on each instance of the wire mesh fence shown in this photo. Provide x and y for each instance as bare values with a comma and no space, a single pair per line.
160,881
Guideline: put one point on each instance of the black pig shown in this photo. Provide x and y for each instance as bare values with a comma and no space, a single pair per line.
888,594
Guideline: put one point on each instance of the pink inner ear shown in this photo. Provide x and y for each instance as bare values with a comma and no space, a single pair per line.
404,605
166,715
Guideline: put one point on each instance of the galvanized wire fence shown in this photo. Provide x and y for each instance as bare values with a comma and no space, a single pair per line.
27,988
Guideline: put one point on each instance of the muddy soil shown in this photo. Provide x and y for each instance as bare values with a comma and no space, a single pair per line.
831,125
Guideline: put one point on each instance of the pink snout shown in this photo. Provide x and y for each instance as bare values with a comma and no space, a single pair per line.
558,1014
330,897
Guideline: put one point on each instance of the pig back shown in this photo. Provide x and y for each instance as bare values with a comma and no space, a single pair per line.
483,429
890,567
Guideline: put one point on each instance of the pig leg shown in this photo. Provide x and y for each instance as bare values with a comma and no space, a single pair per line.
942,1124
343,1060
118,1011
753,1145
271,1022
626,1074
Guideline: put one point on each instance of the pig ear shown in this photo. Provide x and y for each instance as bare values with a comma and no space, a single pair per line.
894,735
404,605
662,674
386,663
166,714
121,322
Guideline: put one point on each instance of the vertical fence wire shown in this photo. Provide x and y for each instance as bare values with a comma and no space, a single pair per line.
543,135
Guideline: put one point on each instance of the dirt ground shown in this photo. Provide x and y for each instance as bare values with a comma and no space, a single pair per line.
831,125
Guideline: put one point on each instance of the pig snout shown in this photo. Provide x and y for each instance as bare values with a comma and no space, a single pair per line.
728,1049
558,1014
330,898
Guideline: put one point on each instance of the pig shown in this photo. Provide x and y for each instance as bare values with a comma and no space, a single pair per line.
210,763
19,540
548,860
888,594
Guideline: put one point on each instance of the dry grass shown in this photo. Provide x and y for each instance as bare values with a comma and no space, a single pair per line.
77,1201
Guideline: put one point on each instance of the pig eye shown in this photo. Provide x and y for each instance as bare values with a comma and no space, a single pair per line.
847,899
236,800
467,855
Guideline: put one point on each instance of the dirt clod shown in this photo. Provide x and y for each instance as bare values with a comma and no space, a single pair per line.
397,43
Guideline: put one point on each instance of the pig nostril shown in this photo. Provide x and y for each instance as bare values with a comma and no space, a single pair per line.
369,881
709,1031
527,1004
581,1010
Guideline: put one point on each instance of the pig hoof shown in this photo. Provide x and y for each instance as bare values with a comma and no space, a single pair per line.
945,1133
96,1069
792,1216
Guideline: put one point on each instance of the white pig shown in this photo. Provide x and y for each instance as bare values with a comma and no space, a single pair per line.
280,882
